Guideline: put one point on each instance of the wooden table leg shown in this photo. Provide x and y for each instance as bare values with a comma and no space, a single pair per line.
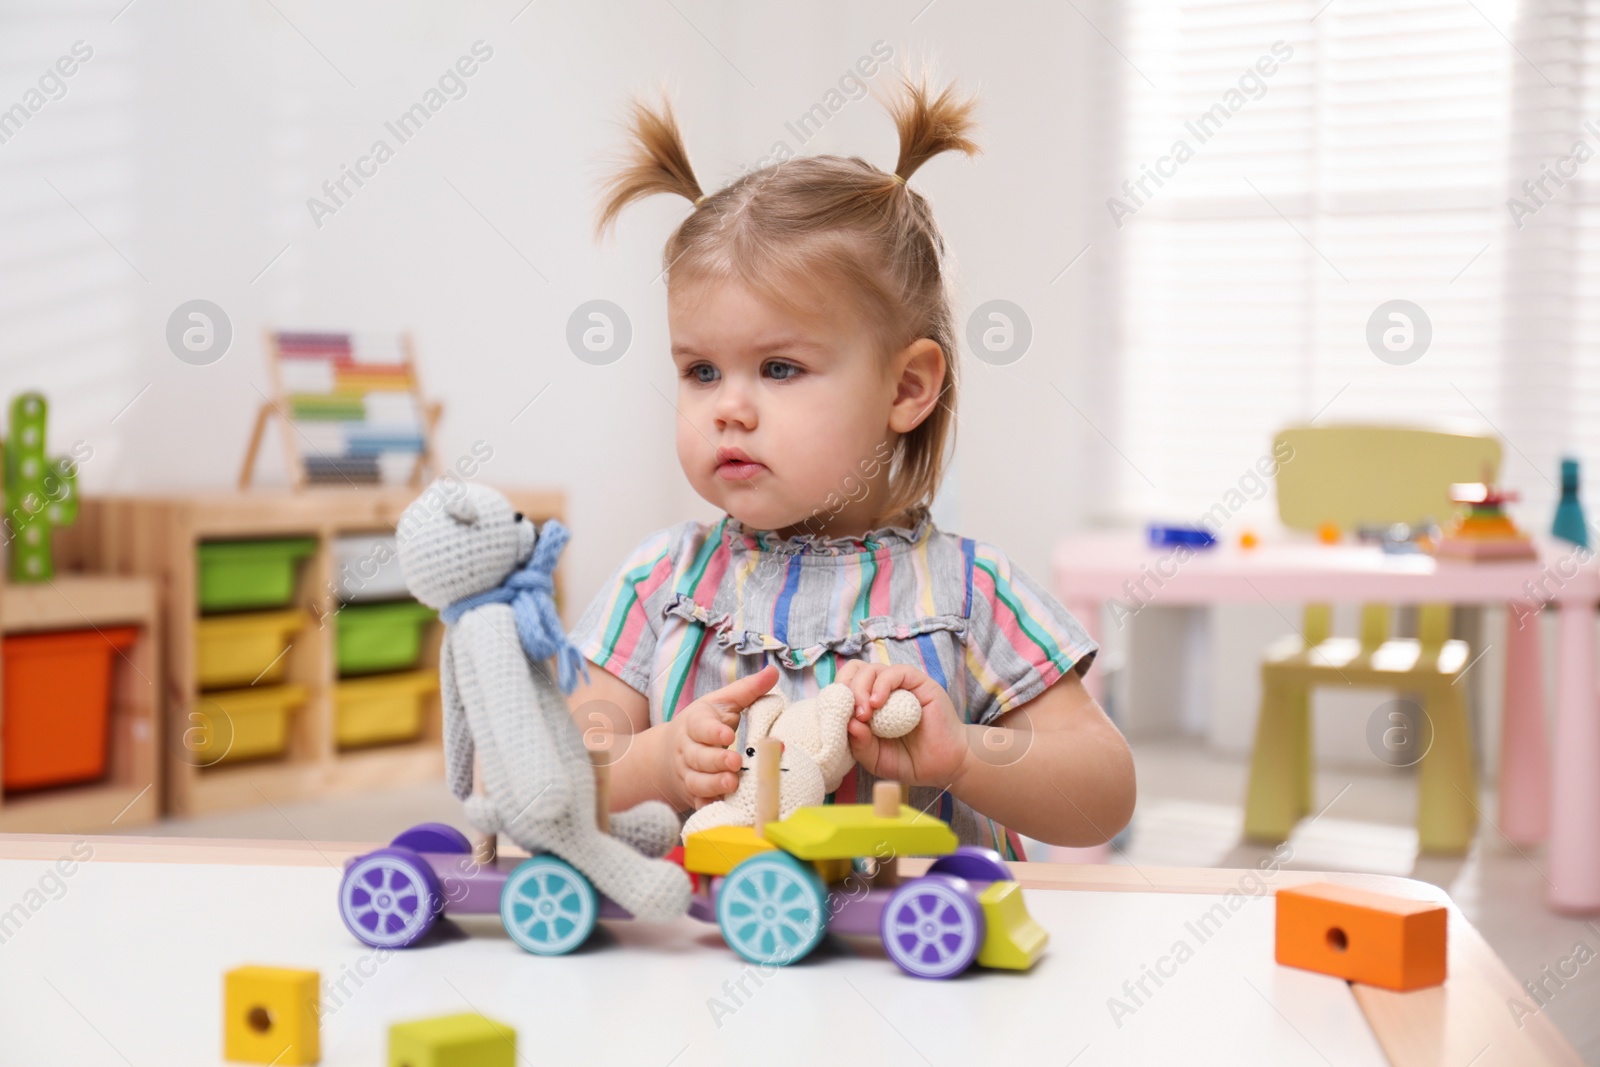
1524,744
1574,855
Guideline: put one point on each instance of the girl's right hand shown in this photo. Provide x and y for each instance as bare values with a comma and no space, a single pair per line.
699,754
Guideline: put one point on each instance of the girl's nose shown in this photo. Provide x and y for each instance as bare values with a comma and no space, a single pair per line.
734,406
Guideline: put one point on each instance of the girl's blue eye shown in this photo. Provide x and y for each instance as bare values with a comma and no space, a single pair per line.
789,369
704,373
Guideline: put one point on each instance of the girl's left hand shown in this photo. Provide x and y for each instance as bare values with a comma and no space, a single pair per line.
935,753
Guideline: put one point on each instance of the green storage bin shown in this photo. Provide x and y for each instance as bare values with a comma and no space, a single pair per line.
250,574
380,637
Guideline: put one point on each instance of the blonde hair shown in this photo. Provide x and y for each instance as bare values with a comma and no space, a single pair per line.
818,221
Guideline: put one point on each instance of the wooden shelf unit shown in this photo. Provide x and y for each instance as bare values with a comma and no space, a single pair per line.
158,536
130,793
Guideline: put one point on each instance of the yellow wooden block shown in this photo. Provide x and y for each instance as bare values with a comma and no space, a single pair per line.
466,1040
844,831
721,849
1014,940
270,1016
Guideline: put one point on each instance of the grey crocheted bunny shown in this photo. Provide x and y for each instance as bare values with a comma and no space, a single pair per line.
465,552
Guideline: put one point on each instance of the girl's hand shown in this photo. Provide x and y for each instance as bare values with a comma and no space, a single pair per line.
698,757
935,753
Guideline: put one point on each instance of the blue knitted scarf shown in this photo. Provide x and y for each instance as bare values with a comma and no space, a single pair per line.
530,592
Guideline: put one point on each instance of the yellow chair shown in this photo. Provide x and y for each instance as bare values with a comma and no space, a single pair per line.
1368,475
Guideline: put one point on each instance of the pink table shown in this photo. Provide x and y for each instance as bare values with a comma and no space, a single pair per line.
1092,570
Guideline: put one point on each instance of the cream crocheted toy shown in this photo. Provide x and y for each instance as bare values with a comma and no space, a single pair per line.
486,569
816,750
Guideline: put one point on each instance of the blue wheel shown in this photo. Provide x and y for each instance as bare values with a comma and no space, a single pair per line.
547,907
772,909
389,898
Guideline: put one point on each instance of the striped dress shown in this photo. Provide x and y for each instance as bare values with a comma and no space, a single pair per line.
697,606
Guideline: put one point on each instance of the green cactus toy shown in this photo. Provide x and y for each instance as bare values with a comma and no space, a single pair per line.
40,493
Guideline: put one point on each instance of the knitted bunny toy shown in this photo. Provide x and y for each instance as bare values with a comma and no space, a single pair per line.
486,569
816,750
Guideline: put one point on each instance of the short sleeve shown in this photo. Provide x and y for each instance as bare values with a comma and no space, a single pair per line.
1019,641
618,629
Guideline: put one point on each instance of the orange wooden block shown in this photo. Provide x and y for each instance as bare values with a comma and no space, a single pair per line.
1362,936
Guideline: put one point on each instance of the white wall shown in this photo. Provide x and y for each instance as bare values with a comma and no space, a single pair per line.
193,138
180,159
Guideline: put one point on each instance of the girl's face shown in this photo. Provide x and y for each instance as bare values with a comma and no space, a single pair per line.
781,420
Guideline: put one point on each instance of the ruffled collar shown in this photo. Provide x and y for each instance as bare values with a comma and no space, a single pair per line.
740,538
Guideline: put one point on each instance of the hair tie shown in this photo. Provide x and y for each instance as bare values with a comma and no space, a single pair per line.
899,179
700,200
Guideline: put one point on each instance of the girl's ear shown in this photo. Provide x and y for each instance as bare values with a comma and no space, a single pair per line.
921,369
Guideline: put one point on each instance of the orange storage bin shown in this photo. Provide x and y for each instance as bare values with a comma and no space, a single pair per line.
57,710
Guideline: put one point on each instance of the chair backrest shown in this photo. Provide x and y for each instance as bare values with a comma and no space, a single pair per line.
1369,476
1375,475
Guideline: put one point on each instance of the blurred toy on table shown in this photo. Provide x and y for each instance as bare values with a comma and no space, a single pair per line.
1570,524
1484,531
1166,535
1401,539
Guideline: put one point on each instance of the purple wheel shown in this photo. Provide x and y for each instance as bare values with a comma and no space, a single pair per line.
433,837
974,864
389,898
933,926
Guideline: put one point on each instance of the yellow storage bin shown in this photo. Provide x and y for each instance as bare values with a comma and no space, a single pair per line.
237,649
238,724
385,707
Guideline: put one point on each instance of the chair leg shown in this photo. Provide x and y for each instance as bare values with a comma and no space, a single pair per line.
1276,795
1299,704
1447,785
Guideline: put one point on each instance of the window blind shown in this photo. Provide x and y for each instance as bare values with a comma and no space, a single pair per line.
1320,161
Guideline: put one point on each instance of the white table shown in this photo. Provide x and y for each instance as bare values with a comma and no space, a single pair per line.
122,964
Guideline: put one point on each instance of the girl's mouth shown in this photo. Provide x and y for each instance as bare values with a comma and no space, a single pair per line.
738,471
736,465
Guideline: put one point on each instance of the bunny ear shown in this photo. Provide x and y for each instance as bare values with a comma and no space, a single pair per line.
763,713
899,715
462,509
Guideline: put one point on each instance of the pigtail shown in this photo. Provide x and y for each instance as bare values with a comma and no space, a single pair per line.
657,163
929,125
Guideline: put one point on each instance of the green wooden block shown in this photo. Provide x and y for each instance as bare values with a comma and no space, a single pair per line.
844,831
466,1040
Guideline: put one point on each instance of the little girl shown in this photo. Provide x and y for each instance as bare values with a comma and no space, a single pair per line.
813,337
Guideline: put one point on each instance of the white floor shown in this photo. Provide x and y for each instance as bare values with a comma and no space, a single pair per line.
1188,816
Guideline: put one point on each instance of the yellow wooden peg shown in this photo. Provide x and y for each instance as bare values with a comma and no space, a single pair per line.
886,799
769,758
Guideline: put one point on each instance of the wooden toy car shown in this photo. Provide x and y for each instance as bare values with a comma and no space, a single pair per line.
774,889
773,904
392,897
775,896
